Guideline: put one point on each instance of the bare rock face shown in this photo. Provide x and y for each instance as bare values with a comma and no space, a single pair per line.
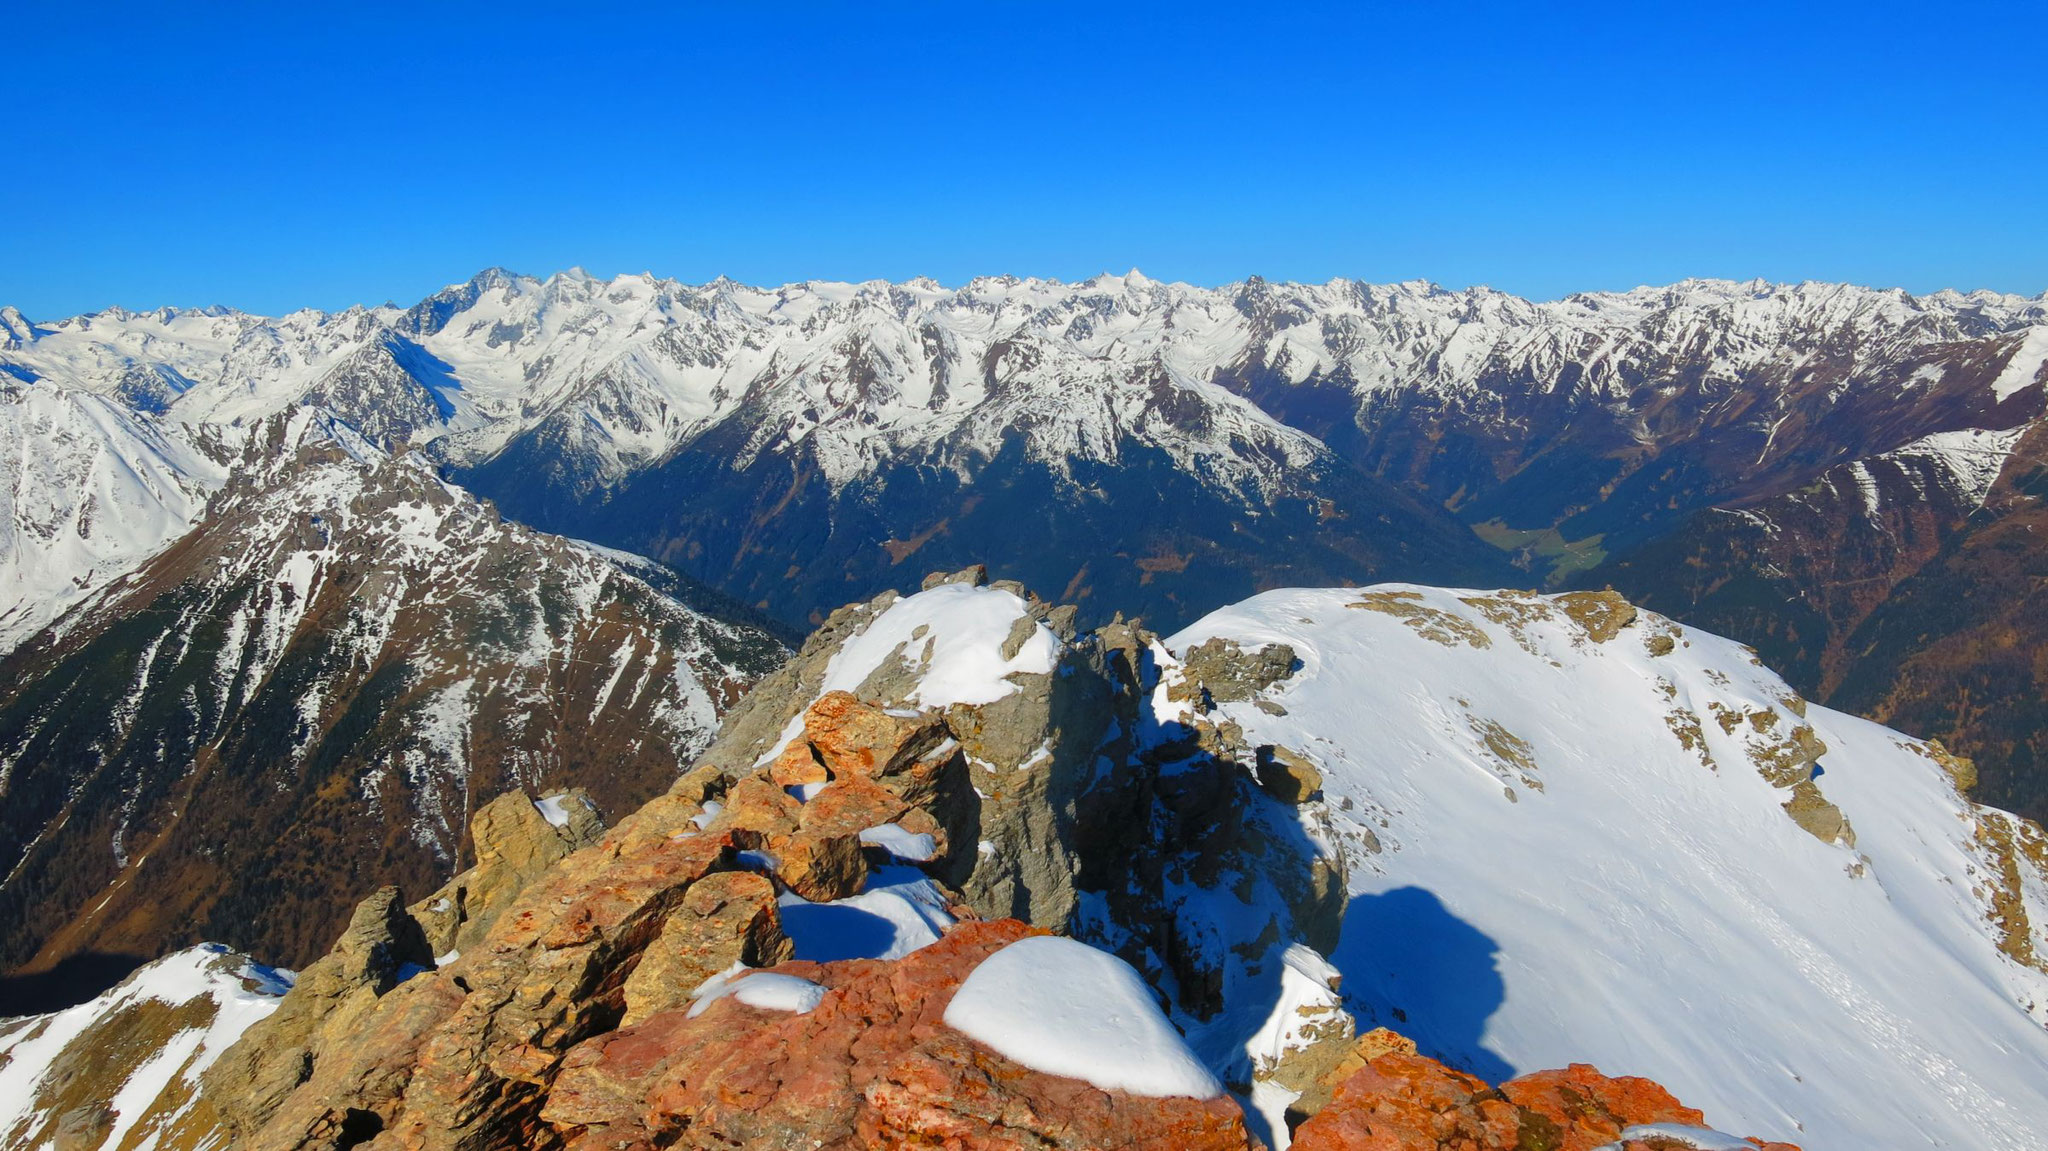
516,843
872,1065
727,918
1287,775
1601,613
1401,1101
1316,1071
1223,672
851,738
386,944
330,1001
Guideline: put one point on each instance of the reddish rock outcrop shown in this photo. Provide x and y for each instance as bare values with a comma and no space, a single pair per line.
873,1065
1407,1102
855,738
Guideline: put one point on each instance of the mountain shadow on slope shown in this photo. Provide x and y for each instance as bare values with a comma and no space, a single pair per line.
69,983
1140,533
1410,964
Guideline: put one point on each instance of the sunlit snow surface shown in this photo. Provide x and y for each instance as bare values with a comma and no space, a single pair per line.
1641,910
765,989
1972,458
910,846
951,638
1062,1007
91,490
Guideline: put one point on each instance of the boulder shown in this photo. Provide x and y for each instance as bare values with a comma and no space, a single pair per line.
1402,1101
1287,775
853,737
727,917
798,764
1600,614
331,999
1220,671
515,843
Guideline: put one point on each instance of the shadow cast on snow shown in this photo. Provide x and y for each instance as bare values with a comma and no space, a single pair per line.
1411,965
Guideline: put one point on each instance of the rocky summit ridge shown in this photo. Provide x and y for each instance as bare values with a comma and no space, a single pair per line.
1354,858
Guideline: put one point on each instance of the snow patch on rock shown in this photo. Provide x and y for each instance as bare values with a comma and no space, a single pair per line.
1067,1009
952,637
1972,457
901,911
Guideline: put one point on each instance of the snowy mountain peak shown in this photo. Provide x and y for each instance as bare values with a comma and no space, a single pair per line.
15,328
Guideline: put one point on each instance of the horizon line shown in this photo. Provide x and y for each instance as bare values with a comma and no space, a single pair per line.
577,272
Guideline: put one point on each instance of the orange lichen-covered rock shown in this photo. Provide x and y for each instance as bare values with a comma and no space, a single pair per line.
873,1065
854,737
1408,1102
1589,1108
797,764
850,806
952,1092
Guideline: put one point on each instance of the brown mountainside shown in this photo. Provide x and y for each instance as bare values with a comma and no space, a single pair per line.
310,694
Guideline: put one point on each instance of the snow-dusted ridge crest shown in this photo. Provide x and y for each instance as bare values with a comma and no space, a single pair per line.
140,1046
1579,831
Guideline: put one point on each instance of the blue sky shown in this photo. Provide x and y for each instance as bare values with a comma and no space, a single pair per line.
270,158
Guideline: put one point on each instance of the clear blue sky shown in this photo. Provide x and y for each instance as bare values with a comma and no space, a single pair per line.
277,156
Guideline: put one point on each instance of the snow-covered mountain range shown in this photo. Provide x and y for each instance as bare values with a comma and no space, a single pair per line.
563,397
586,405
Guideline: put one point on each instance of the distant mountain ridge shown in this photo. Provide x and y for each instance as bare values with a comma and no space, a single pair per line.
1167,448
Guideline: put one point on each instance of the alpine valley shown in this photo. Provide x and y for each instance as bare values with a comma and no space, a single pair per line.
525,719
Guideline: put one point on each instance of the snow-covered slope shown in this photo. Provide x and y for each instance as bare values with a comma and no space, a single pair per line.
118,1070
92,490
1578,832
